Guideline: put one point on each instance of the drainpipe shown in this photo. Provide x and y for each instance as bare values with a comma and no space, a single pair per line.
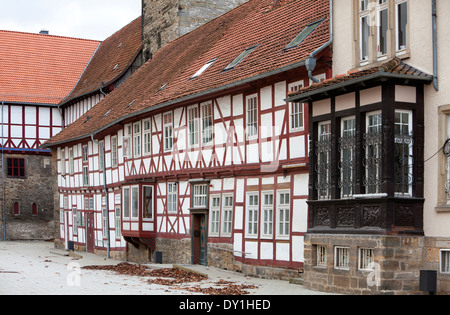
102,149
3,182
435,71
311,61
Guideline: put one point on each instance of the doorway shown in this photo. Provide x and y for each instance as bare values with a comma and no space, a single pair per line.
199,239
90,232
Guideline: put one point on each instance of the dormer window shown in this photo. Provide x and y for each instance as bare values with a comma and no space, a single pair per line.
241,57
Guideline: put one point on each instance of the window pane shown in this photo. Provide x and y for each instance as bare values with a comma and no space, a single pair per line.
147,202
402,20
126,202
134,202
382,32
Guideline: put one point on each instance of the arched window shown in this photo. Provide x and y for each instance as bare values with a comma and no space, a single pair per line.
34,210
16,208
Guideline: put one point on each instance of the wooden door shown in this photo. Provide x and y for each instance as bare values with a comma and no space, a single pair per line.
90,232
199,240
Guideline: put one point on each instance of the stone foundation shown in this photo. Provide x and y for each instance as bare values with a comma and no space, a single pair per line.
398,261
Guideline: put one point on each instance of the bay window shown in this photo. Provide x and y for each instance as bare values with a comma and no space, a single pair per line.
323,161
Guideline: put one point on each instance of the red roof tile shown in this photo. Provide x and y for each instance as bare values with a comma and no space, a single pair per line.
225,38
41,69
120,50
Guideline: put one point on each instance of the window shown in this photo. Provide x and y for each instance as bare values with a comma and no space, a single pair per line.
201,196
445,261
126,202
16,167
85,153
296,110
71,165
147,202
63,162
241,57
135,202
403,152
117,211
365,259
347,148
401,7
75,221
193,132
147,137
341,257
364,29
172,197
203,69
137,139
101,151
85,175
105,221
252,116
447,162
252,215
114,151
323,161
302,36
167,126
321,252
267,214
16,208
373,159
383,22
227,215
127,132
215,215
207,122
283,214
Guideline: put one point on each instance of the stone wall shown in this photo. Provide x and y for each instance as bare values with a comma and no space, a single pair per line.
37,187
164,21
398,259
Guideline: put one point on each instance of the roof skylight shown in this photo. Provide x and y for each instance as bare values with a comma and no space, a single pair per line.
203,69
302,36
241,57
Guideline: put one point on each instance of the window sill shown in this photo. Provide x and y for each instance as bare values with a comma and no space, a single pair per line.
442,208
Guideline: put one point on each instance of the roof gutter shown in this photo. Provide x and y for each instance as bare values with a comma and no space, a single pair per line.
311,61
183,99
435,58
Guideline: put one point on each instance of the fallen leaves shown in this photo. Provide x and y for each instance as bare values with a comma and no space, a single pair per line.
172,276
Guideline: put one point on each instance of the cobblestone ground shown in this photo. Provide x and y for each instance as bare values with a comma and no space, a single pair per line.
36,268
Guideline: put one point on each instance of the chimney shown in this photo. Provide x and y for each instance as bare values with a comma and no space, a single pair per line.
44,32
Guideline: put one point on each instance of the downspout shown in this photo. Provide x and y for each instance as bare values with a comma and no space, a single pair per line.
311,61
435,58
3,182
102,149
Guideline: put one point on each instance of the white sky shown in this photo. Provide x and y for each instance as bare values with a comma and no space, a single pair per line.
89,19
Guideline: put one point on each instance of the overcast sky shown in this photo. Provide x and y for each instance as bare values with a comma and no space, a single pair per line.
90,19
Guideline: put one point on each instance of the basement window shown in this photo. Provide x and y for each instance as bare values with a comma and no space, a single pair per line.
203,69
241,57
445,261
305,33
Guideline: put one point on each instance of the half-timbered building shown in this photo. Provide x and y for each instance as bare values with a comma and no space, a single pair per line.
197,156
38,71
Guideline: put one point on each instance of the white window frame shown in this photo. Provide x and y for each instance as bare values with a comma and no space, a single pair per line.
206,113
321,254
227,214
200,196
193,125
167,131
252,109
324,194
343,158
105,214
85,176
384,6
127,143
283,214
214,214
147,137
364,13
411,149
172,197
252,214
400,50
268,210
101,157
366,258
341,257
118,222
296,110
85,153
126,203
63,162
114,151
152,204
74,221
137,139
71,162
444,261
378,171
134,203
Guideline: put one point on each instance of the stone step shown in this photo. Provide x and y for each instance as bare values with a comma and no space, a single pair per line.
298,281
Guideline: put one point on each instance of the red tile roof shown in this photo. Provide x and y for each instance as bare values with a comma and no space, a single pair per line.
120,49
394,67
225,38
41,69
